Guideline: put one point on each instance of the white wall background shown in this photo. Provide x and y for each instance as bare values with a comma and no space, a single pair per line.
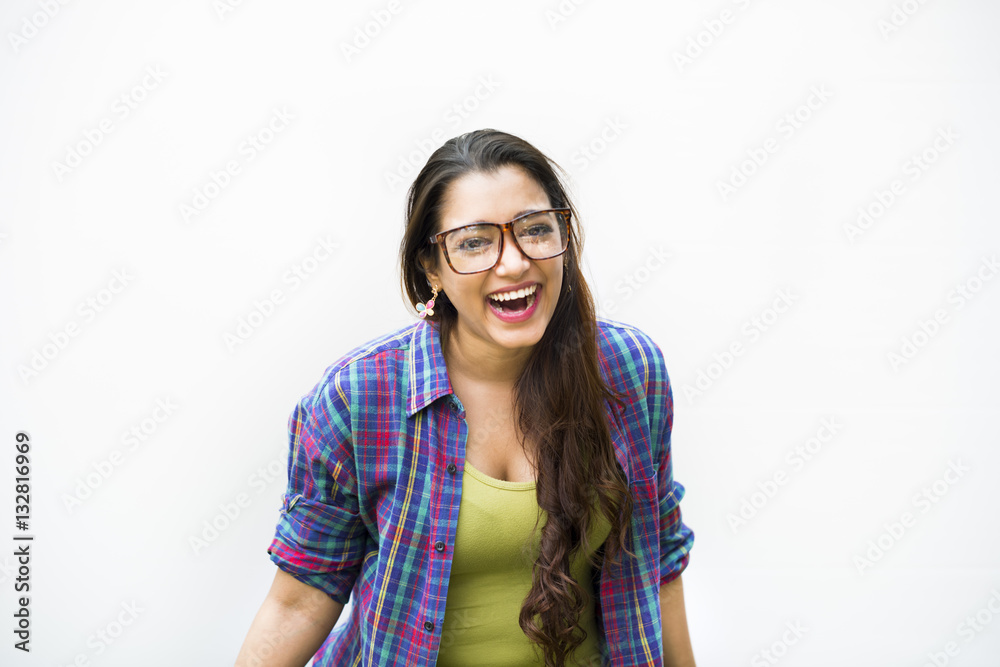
672,132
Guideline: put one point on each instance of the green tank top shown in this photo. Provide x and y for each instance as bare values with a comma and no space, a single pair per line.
491,576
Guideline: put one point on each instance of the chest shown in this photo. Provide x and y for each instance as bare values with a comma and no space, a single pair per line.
493,443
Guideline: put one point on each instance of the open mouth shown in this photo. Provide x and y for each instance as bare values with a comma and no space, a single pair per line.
514,302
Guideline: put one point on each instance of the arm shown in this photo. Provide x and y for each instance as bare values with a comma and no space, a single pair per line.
677,651
290,626
676,539
319,540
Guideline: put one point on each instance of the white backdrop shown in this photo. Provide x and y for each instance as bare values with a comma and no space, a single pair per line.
795,199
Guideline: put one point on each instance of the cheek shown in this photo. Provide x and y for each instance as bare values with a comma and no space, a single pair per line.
467,295
558,275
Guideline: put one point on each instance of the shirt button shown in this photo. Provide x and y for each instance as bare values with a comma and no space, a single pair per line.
439,545
452,468
454,406
428,626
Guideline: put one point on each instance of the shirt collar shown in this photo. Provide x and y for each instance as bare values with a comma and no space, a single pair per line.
428,373
429,382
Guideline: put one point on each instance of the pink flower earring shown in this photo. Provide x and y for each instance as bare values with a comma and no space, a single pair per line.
427,309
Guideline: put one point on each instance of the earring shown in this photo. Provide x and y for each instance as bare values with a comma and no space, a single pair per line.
427,309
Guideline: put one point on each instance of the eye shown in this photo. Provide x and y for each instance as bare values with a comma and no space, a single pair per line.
474,239
537,230
473,244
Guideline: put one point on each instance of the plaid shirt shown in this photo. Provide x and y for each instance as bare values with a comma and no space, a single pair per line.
377,450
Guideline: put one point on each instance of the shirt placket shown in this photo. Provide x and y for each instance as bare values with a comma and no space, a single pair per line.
447,439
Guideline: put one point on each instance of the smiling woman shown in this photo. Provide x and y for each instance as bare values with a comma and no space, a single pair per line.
492,484
490,269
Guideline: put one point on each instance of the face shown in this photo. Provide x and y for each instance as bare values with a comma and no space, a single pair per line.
498,197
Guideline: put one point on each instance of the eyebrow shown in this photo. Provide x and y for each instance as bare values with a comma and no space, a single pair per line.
520,213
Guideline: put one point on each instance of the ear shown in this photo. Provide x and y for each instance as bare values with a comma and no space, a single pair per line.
430,272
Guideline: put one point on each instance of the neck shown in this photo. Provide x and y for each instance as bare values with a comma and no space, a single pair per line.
470,357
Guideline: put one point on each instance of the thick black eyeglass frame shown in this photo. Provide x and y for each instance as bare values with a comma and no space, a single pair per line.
438,239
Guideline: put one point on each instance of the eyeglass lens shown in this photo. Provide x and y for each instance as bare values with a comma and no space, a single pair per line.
475,248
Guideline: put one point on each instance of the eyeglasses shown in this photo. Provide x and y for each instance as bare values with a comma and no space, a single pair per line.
478,247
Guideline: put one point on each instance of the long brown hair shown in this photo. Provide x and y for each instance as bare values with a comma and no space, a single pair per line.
559,397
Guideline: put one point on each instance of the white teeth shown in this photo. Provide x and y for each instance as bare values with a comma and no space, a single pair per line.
507,296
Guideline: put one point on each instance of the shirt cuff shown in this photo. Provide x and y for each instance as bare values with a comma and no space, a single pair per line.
318,544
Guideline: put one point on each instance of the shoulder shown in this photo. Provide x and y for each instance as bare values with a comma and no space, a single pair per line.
367,364
386,345
629,355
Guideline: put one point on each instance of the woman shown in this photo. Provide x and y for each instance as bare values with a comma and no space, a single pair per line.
493,484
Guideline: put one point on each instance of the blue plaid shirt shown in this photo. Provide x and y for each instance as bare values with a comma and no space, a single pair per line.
377,451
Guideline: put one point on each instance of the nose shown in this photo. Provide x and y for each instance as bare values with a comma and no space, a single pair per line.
512,262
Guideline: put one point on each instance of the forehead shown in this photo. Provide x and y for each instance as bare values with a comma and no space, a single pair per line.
490,197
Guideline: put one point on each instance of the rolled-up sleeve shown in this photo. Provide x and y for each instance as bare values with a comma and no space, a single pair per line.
320,537
676,539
